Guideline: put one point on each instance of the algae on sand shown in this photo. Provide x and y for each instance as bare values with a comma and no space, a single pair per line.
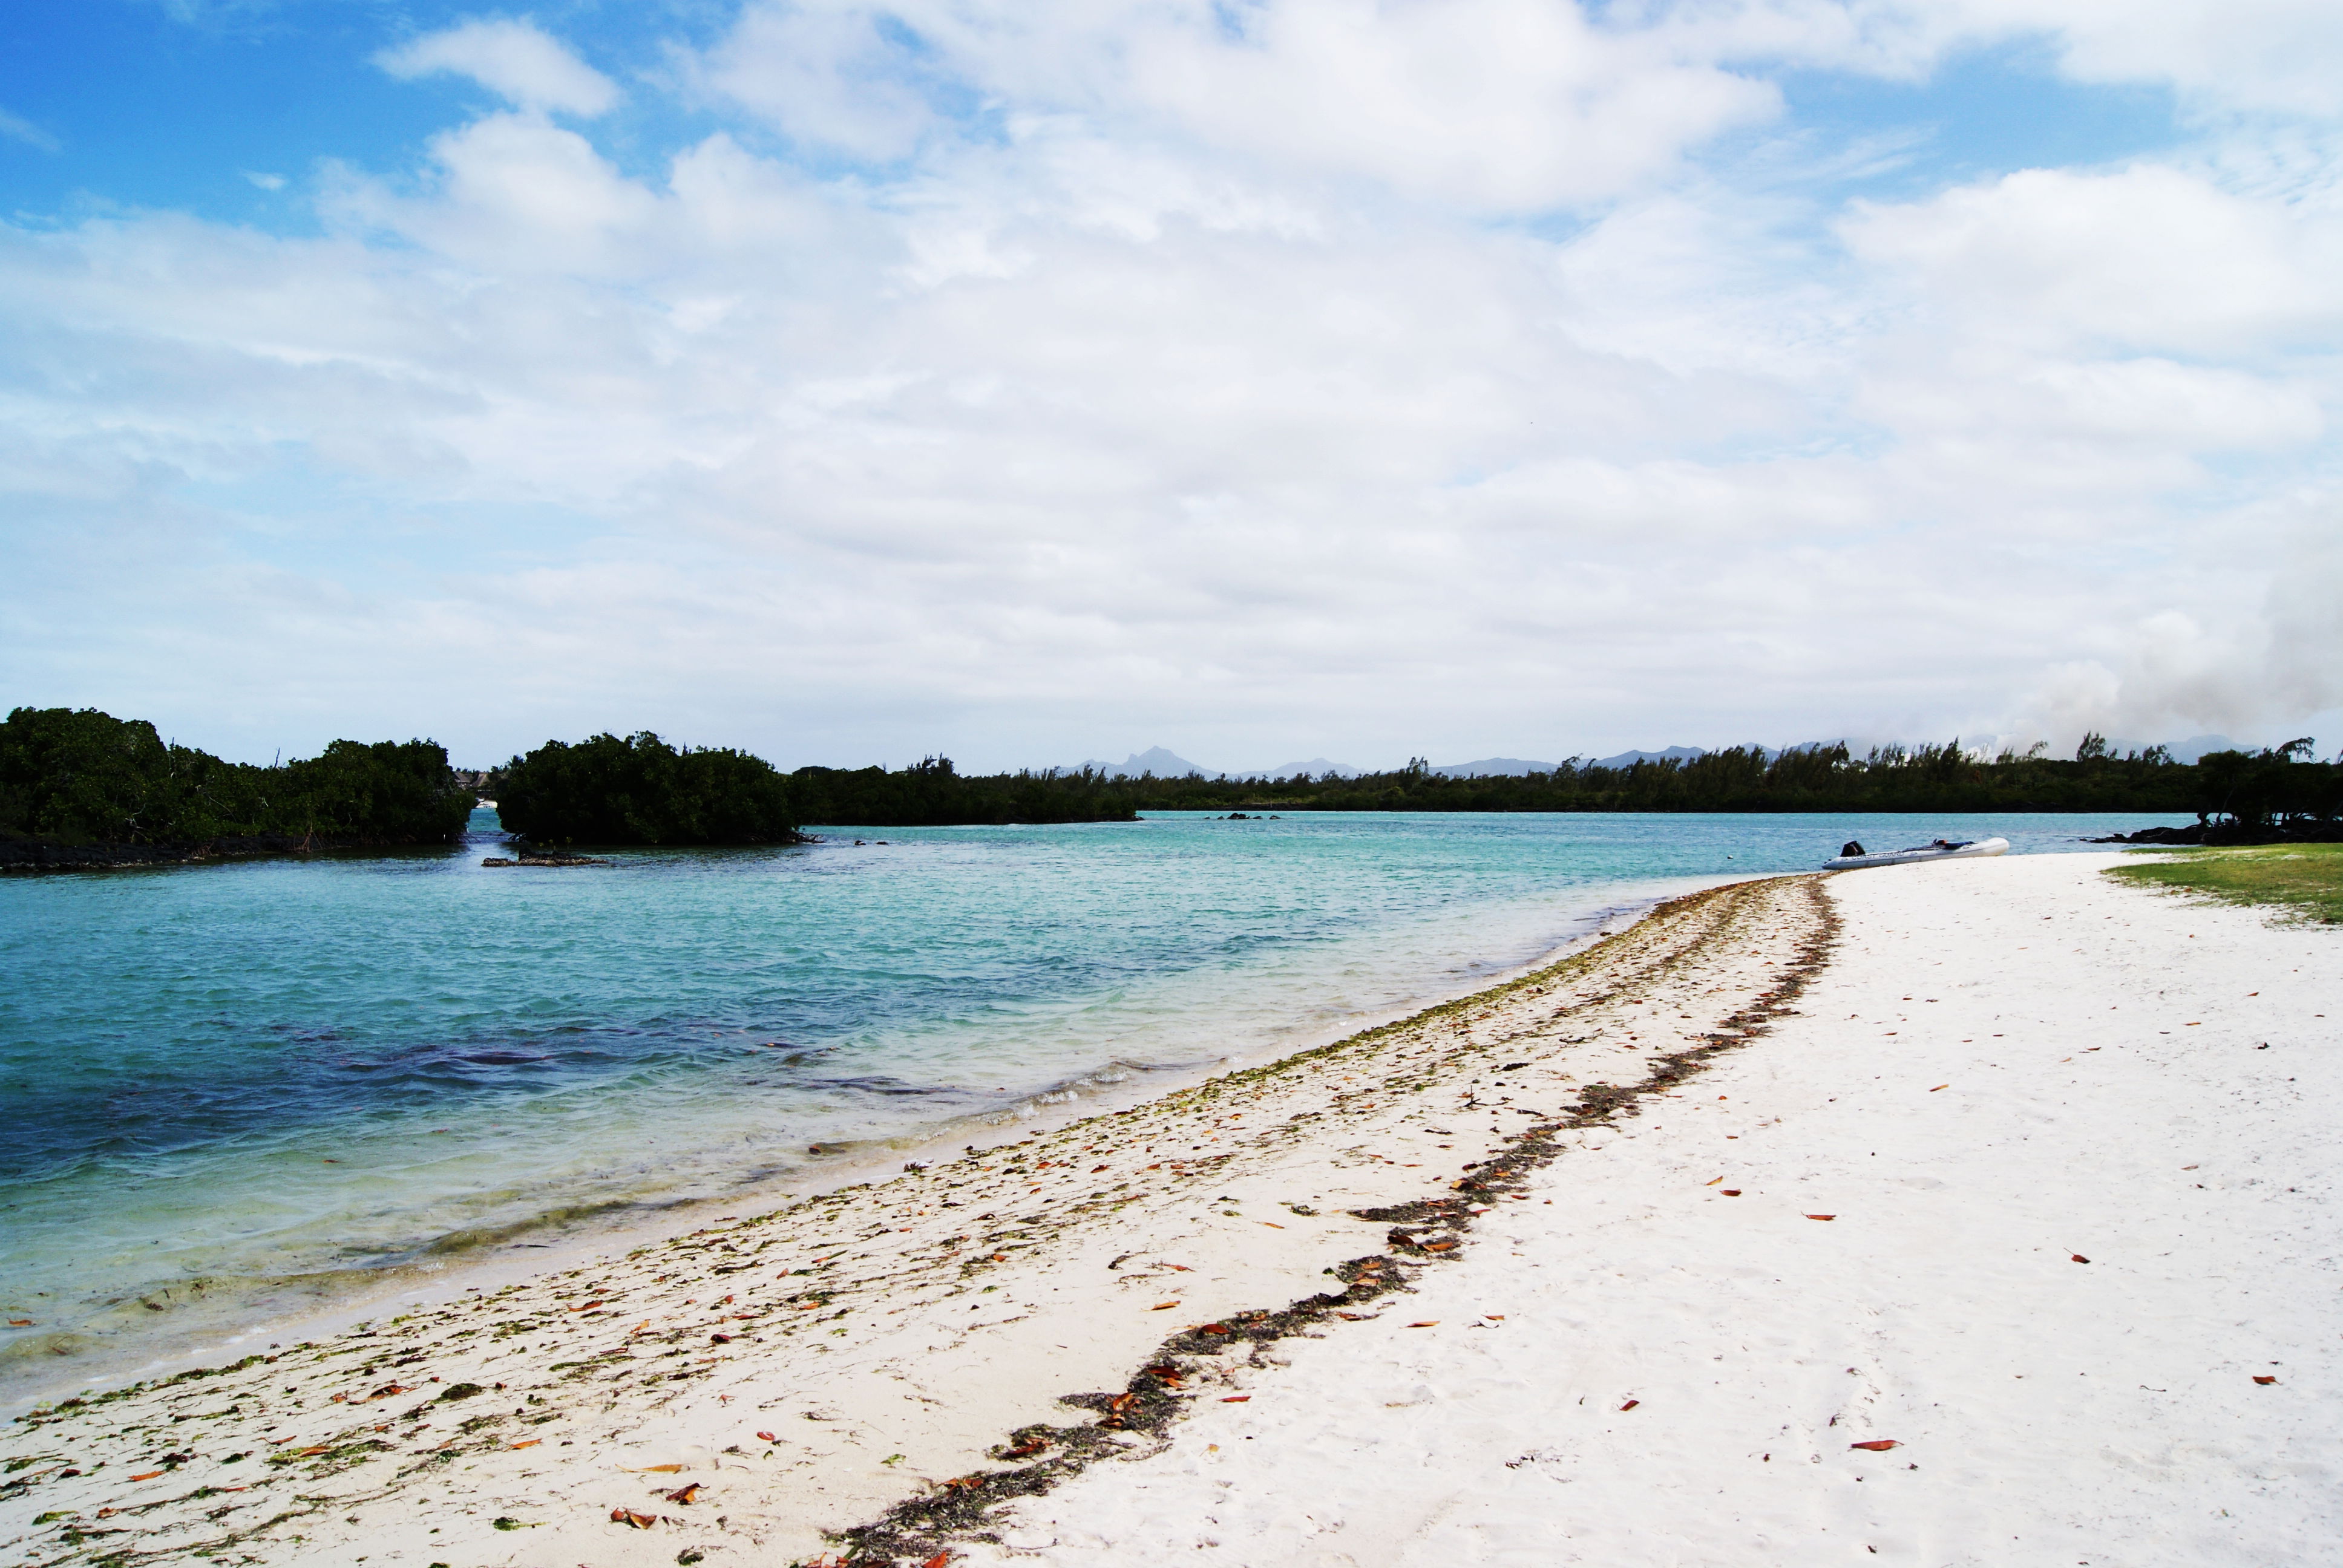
2305,877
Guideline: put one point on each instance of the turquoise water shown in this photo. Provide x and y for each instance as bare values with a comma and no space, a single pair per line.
229,1086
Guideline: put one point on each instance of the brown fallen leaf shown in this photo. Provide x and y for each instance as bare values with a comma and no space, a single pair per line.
146,1475
1162,1306
684,1493
655,1470
315,1448
767,1437
1821,1216
20,1322
2079,1258
1001,1257
1272,1224
627,1516
388,1388
1940,1086
1427,1323
2258,1378
1630,1405
1236,1399
1733,1192
939,1560
1711,1183
1352,1316
1876,1445
529,1443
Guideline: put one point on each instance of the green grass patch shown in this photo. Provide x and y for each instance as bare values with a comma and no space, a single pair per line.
2305,877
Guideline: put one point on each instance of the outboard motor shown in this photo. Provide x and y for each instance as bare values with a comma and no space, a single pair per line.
1852,848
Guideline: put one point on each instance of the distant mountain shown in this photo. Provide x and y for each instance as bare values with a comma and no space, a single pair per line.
2195,745
1672,754
1317,767
1493,768
1155,759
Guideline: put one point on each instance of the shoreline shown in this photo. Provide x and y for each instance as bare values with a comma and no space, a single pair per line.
430,1278
901,1406
2015,1244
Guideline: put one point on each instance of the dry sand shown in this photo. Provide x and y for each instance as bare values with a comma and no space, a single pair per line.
2033,1261
889,1370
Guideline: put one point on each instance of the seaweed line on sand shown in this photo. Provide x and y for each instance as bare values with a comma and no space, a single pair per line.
1424,1232
635,1358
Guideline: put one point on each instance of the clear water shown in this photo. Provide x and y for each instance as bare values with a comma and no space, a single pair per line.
225,1087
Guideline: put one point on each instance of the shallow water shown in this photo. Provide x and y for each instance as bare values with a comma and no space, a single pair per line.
225,1087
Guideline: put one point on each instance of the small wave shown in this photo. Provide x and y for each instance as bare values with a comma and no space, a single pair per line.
23,1350
472,1237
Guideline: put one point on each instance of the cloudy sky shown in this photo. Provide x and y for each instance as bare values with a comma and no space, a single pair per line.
1040,379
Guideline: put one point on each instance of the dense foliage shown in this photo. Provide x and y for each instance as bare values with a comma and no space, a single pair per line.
930,794
2253,788
2257,787
642,791
80,776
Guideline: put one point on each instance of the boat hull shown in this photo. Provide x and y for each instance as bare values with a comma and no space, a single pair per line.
1981,850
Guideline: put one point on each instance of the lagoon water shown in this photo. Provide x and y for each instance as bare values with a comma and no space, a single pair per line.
234,1089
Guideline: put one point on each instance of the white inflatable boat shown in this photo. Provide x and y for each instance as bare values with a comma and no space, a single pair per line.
1855,857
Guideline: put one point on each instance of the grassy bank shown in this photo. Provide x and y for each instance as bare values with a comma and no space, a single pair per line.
2306,877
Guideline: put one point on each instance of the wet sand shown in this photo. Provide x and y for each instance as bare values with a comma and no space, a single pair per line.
867,1371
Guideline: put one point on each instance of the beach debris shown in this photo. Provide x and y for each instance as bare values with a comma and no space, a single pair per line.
1427,1323
2265,1381
1236,1399
1629,1405
1876,1445
632,1520
1733,1192
2078,1258
529,1443
1821,1216
1162,1306
683,1493
655,1470
767,1437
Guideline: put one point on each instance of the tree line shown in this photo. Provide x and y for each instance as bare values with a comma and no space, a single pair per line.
82,787
84,778
2276,787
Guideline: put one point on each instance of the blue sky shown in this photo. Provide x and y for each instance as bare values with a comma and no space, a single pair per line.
1041,381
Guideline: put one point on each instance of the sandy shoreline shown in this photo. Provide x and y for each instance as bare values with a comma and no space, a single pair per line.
887,1368
889,1336
294,1310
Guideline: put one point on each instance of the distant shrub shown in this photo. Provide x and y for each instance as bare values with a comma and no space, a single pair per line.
78,776
641,790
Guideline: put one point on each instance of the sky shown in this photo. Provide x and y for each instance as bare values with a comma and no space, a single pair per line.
1029,380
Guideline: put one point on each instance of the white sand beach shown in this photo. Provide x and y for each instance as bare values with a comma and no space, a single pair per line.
1621,1262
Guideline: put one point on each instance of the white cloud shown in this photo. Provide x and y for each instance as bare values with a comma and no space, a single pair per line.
2147,258
18,128
513,59
267,182
1156,374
